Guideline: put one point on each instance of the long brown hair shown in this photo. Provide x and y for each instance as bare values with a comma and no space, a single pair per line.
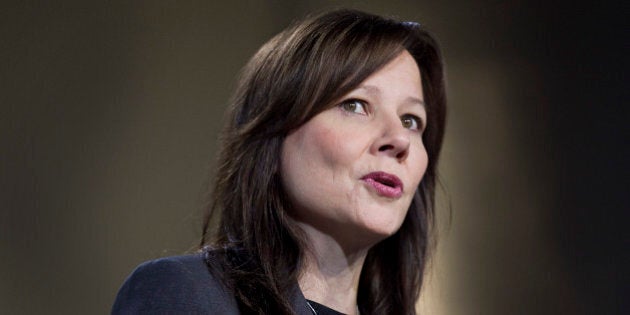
293,77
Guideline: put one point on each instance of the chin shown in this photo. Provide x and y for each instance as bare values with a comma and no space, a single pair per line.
385,232
378,230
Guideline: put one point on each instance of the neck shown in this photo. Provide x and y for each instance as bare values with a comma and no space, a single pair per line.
331,273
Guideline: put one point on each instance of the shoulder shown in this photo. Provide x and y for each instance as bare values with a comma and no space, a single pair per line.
174,284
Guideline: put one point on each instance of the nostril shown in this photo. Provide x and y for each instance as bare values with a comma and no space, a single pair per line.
386,147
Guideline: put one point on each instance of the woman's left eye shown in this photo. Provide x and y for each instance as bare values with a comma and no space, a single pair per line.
354,106
411,122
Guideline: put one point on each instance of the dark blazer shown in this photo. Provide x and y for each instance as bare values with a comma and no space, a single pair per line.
182,285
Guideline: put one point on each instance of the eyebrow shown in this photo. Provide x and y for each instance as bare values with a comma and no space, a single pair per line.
374,90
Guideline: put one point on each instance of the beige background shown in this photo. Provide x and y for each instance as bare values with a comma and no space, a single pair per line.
109,119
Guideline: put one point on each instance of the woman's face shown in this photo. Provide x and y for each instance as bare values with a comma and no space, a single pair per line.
352,170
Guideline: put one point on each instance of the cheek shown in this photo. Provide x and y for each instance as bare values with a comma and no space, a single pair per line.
318,164
323,143
420,162
309,160
324,146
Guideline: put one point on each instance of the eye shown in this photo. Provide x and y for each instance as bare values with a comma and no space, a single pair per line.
354,106
411,122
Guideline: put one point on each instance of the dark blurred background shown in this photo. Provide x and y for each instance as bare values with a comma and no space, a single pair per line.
109,114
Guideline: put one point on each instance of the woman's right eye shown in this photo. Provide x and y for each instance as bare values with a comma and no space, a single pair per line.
354,106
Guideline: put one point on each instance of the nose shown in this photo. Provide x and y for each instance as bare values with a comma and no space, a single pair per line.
393,140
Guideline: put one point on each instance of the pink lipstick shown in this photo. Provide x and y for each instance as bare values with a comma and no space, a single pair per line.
385,184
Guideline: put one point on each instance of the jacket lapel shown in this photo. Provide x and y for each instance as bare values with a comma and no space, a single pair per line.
298,301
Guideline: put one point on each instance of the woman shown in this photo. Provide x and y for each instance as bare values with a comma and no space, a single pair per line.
324,196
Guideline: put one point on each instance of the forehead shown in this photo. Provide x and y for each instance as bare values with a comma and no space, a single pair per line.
375,91
403,67
399,78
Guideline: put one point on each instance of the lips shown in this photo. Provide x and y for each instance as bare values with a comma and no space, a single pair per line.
384,184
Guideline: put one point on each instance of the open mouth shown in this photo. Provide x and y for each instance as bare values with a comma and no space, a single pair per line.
384,184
